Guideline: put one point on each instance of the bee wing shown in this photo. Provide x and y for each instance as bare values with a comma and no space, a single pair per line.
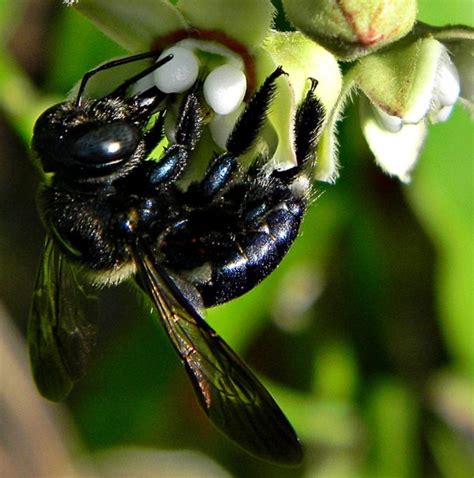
229,393
59,337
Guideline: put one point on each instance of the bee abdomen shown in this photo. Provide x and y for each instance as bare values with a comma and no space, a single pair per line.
258,250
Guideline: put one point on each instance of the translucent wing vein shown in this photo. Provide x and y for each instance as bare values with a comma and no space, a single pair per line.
59,337
229,393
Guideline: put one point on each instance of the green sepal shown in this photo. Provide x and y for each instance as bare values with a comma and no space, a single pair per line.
400,80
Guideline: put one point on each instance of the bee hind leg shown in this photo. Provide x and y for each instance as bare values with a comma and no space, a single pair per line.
309,120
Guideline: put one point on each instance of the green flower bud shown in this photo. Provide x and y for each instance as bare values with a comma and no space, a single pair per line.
352,28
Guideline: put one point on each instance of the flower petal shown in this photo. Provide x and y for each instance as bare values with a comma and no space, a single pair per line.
447,84
179,74
463,57
302,59
280,140
244,20
134,25
328,150
459,40
396,153
224,88
442,114
222,125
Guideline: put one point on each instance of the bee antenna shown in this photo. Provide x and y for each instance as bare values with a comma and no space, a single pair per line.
119,62
123,87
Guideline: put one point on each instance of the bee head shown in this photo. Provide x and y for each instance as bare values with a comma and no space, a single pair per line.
100,139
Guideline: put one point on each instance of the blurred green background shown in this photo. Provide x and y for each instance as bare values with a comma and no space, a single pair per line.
364,335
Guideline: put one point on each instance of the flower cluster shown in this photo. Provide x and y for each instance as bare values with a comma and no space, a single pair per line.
409,74
419,82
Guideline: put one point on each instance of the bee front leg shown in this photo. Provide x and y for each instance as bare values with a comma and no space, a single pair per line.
188,131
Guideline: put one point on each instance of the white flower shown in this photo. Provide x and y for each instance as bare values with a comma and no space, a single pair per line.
404,88
230,51
397,139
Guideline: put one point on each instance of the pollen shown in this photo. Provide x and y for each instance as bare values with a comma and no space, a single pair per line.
179,74
224,89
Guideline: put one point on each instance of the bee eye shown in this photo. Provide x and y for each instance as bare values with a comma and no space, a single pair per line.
105,144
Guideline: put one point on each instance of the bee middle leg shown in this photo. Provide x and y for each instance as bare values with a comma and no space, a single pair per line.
247,127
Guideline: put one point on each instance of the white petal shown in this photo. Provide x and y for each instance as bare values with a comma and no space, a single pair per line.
442,114
447,84
389,122
464,59
396,153
180,73
224,89
221,126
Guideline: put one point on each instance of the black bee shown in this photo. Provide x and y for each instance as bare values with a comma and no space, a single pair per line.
114,214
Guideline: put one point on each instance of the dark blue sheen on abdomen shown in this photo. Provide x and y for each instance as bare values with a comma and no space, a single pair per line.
257,254
262,255
229,278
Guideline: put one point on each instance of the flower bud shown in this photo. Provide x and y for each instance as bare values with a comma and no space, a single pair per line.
352,28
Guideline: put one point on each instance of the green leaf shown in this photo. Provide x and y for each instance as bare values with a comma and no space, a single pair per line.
454,11
18,97
393,414
93,49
